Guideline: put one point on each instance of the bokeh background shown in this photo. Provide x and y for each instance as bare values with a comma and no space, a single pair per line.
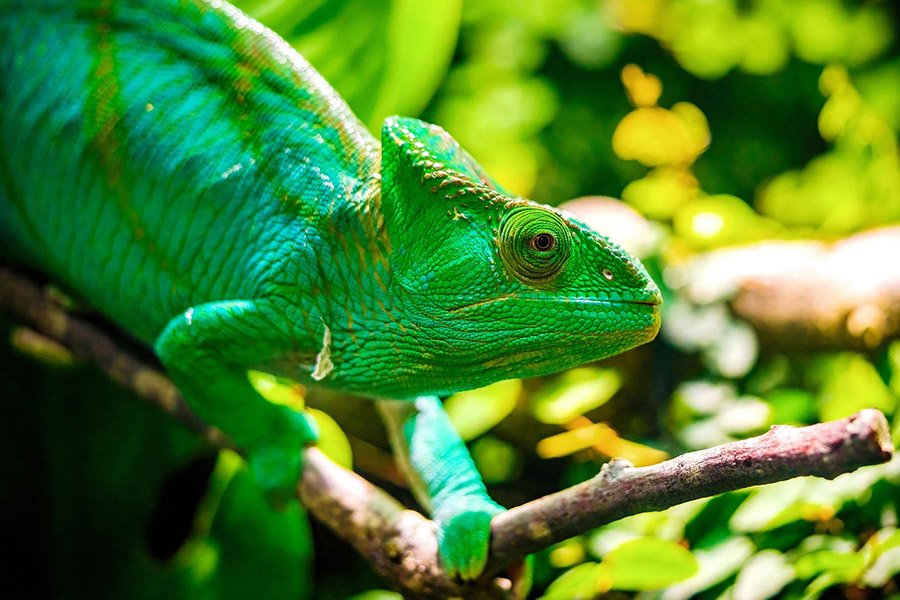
753,145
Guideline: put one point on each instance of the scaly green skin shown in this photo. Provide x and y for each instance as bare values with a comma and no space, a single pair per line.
196,180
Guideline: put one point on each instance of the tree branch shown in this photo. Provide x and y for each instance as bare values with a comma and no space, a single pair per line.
807,294
619,490
400,543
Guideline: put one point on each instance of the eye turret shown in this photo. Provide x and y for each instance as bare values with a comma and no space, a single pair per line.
534,244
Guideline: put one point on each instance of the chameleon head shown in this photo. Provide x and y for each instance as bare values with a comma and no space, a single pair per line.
494,286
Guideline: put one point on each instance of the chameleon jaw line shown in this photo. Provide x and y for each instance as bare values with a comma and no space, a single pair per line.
652,302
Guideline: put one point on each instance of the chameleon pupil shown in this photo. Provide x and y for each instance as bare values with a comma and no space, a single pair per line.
543,242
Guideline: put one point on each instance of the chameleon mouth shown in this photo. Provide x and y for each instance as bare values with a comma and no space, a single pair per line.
651,302
654,301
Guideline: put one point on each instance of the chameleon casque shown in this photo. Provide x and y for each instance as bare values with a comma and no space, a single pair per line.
187,173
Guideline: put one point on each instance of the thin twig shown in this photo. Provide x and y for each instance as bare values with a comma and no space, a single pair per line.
619,490
400,543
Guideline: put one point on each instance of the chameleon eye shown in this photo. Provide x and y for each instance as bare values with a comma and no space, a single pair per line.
534,244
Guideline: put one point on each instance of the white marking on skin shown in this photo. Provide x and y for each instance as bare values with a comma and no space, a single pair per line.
231,170
324,366
189,315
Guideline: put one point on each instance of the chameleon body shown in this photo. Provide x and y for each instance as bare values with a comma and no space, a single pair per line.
191,176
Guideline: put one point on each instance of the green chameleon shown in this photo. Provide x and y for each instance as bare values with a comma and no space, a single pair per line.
190,175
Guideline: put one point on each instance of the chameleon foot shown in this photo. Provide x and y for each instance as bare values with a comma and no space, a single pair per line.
278,464
464,531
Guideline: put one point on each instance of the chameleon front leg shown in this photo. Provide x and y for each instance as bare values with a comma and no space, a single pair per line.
444,480
207,351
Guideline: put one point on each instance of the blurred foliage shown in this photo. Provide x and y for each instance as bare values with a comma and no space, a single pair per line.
724,123
114,500
721,122
370,52
803,98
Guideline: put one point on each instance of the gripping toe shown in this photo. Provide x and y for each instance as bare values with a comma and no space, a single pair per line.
464,540
277,463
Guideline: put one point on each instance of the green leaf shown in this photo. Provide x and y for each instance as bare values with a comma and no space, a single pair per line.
791,406
578,583
883,569
770,506
820,584
333,441
377,595
575,393
886,542
845,566
708,39
894,361
882,557
476,411
497,461
253,538
716,564
647,563
763,576
851,384
383,58
274,389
